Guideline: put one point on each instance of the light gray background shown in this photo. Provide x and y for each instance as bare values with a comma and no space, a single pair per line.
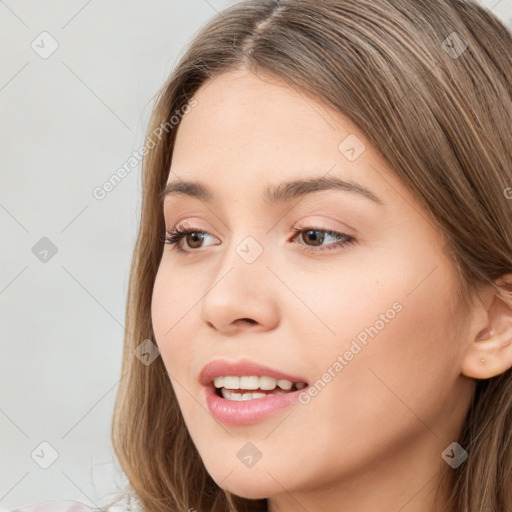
68,122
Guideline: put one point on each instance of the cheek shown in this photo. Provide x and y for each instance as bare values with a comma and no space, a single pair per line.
392,389
401,358
394,334
171,309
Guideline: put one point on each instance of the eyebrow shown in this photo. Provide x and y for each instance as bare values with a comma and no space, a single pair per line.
277,194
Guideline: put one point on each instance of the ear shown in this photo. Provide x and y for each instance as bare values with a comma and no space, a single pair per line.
489,353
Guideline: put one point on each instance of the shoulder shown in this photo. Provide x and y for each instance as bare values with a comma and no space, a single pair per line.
54,506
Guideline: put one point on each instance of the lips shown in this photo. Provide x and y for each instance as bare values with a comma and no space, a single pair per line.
237,407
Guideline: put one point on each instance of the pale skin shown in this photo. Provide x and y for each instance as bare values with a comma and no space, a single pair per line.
372,439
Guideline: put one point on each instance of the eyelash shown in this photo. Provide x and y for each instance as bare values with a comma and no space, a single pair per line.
174,238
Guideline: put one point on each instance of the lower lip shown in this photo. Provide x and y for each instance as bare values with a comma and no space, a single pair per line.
246,412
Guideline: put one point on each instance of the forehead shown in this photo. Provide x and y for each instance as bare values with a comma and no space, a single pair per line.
262,123
252,132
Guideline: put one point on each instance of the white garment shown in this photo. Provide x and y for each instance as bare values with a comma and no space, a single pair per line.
54,506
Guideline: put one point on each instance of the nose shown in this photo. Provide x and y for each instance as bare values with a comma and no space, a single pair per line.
242,296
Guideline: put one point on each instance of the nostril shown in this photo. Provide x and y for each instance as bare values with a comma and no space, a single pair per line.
249,320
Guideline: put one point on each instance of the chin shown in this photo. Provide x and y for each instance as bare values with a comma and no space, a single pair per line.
249,491
248,484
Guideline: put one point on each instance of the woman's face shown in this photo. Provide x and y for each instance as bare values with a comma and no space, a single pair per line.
365,319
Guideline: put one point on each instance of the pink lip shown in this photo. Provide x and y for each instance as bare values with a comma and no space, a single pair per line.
248,411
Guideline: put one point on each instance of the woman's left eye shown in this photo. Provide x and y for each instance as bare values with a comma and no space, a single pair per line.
316,235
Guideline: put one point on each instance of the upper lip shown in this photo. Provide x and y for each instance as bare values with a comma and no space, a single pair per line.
243,367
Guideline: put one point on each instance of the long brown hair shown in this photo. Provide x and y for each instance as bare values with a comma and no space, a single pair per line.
429,82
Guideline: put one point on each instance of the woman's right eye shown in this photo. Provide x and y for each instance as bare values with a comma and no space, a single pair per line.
176,235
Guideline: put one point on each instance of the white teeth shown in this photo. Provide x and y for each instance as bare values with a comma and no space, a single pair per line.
256,395
300,385
268,383
232,382
284,384
253,382
238,397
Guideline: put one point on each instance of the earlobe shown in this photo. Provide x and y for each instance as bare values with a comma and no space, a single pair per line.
490,352
489,357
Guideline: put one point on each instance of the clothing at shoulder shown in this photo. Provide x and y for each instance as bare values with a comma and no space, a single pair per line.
55,506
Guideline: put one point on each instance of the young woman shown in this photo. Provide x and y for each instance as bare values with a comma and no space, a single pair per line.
324,262
320,303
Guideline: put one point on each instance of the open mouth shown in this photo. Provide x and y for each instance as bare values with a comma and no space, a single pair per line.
253,387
